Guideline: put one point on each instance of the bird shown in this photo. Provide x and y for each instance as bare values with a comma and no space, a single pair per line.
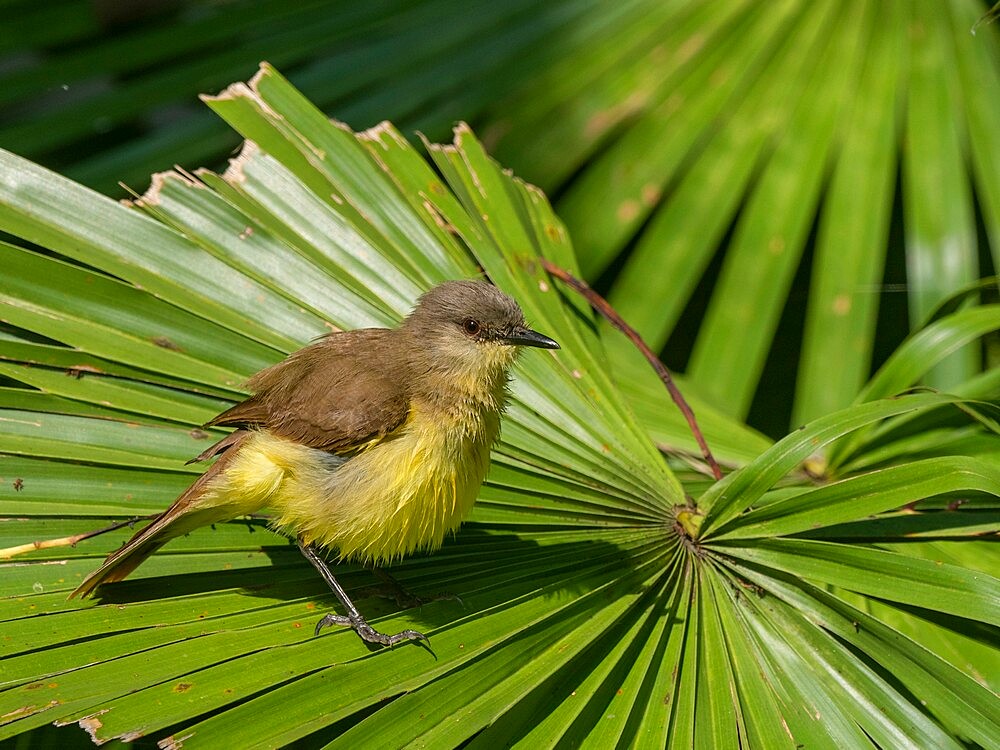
370,444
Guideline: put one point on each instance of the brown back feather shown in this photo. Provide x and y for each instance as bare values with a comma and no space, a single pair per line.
337,394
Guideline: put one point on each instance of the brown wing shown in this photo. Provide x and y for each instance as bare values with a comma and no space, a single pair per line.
336,394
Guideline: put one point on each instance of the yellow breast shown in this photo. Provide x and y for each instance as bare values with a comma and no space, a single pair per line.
402,494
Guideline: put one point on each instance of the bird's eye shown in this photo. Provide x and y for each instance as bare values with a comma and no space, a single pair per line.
470,326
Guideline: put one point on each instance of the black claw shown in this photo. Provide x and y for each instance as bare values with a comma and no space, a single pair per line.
409,635
367,633
331,619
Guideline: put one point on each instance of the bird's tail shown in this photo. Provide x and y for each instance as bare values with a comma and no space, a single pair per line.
185,515
124,560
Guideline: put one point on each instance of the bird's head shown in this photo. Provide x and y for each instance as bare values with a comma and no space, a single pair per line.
470,329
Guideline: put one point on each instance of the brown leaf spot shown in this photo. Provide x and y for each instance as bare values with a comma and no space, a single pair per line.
601,121
691,46
628,210
76,371
165,343
182,687
439,219
651,194
197,434
841,304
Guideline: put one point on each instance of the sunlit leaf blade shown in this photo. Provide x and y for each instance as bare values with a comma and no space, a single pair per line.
639,165
732,442
955,694
694,219
754,284
764,719
872,703
843,299
929,346
743,488
718,720
883,575
682,666
865,495
52,211
502,680
941,239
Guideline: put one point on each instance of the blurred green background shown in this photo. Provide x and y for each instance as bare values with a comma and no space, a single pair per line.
816,175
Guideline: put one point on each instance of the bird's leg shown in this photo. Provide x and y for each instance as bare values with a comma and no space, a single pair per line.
353,619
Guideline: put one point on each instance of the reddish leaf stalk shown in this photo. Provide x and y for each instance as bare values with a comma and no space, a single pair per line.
602,306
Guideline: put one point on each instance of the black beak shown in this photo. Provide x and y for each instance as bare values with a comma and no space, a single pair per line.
521,336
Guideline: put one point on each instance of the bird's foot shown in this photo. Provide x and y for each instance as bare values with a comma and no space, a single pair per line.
367,632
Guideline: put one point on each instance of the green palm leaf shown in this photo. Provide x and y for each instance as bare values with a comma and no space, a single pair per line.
599,604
